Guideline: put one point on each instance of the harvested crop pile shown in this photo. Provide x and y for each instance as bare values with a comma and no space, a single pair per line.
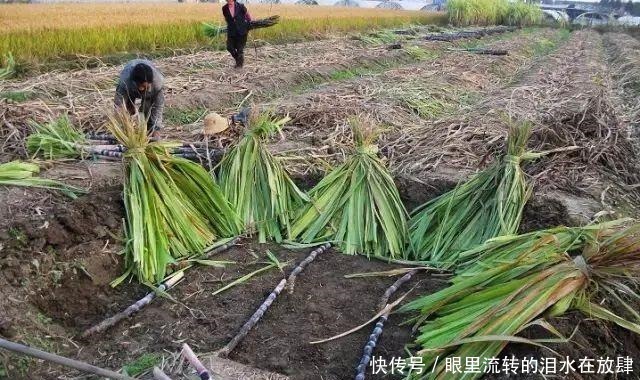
488,205
256,183
17,173
518,279
357,205
174,208
56,139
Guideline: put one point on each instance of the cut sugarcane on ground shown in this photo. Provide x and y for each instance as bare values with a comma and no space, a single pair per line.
58,288
489,205
515,281
175,210
25,174
56,139
319,307
257,185
356,205
214,31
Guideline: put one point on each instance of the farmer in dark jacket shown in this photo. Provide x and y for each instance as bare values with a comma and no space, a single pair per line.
140,79
238,20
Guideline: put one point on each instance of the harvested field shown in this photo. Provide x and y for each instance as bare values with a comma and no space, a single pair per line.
444,113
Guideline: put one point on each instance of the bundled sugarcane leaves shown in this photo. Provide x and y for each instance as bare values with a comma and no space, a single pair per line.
56,139
256,183
213,31
174,209
18,173
490,204
357,206
520,279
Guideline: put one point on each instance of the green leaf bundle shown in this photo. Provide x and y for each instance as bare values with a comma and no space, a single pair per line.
520,279
213,31
56,139
257,185
357,206
174,209
17,173
490,204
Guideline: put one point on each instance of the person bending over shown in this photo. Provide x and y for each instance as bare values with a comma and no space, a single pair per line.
140,79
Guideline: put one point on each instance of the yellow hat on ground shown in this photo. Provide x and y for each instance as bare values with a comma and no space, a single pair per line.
214,123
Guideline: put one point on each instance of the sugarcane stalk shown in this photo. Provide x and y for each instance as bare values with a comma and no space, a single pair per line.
100,147
222,247
255,24
122,148
466,34
377,330
244,331
81,366
107,153
483,51
296,271
116,154
371,344
257,315
100,136
191,357
159,375
141,303
394,287
109,137
386,311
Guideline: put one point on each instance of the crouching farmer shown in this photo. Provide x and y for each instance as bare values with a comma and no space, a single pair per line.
140,79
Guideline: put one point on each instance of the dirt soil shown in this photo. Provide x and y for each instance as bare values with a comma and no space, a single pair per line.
77,258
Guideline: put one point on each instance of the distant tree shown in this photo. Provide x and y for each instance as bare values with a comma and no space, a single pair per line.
629,7
618,4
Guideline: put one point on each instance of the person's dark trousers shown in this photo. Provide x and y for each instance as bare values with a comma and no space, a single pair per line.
235,46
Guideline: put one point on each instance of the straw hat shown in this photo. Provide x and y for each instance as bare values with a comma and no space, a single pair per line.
214,123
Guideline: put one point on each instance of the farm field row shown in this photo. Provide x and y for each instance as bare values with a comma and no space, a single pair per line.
42,33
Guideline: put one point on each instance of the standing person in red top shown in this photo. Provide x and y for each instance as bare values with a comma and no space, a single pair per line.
238,19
